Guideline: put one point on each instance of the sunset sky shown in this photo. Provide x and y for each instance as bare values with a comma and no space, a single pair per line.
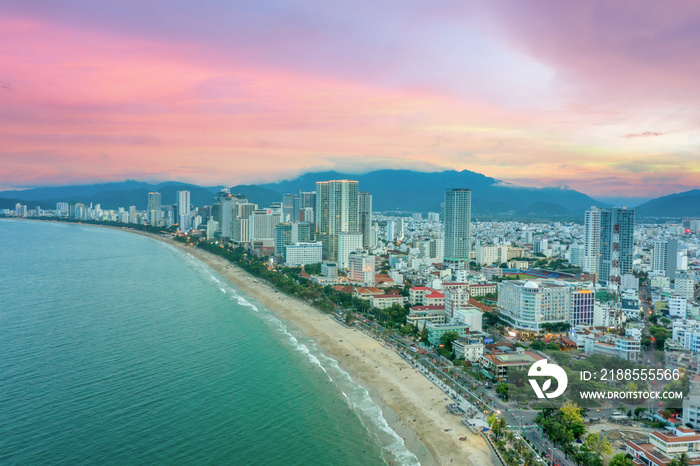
603,97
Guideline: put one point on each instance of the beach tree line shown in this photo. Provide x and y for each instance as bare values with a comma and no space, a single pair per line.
289,280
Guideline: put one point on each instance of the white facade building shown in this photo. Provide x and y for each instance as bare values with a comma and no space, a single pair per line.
347,243
361,267
527,305
298,254
677,306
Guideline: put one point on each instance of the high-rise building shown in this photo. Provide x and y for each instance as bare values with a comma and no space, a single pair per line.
155,214
62,209
364,207
241,230
307,215
133,217
400,228
336,213
288,207
457,217
591,241
296,208
262,224
283,237
576,254
227,217
307,199
212,227
347,243
390,231
290,233
664,257
184,215
616,245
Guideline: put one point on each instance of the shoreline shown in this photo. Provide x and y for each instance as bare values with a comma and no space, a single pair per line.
412,405
392,383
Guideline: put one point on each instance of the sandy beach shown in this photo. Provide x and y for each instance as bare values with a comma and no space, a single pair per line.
417,402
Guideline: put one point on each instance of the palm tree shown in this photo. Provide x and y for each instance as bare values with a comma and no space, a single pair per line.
510,438
680,460
528,458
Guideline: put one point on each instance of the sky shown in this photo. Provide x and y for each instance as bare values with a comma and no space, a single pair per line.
599,96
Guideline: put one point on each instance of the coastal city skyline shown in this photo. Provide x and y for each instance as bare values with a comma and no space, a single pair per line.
469,304
401,233
597,96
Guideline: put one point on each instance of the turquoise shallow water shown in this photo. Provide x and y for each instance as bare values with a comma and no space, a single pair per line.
118,349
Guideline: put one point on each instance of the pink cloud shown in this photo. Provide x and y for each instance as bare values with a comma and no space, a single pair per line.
88,102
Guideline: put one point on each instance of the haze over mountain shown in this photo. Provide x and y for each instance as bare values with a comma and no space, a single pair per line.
402,190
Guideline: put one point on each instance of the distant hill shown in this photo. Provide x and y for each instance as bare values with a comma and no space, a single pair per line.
127,193
685,204
9,203
417,191
392,190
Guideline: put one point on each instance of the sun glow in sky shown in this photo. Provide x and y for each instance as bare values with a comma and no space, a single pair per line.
599,96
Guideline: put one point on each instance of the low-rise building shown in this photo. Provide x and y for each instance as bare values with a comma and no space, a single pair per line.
687,333
492,272
329,270
302,253
482,289
434,299
468,348
419,315
677,307
415,294
495,366
455,298
367,292
384,301
471,316
691,407
615,345
665,446
435,331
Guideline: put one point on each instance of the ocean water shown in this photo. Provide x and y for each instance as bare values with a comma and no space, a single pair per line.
119,349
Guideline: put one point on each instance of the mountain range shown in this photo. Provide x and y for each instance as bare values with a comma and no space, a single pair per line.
392,190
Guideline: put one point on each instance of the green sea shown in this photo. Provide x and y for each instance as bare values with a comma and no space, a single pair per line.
119,349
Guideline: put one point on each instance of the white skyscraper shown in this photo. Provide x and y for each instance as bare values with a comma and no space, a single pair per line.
390,231
155,214
184,215
664,257
457,217
591,245
347,243
336,212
